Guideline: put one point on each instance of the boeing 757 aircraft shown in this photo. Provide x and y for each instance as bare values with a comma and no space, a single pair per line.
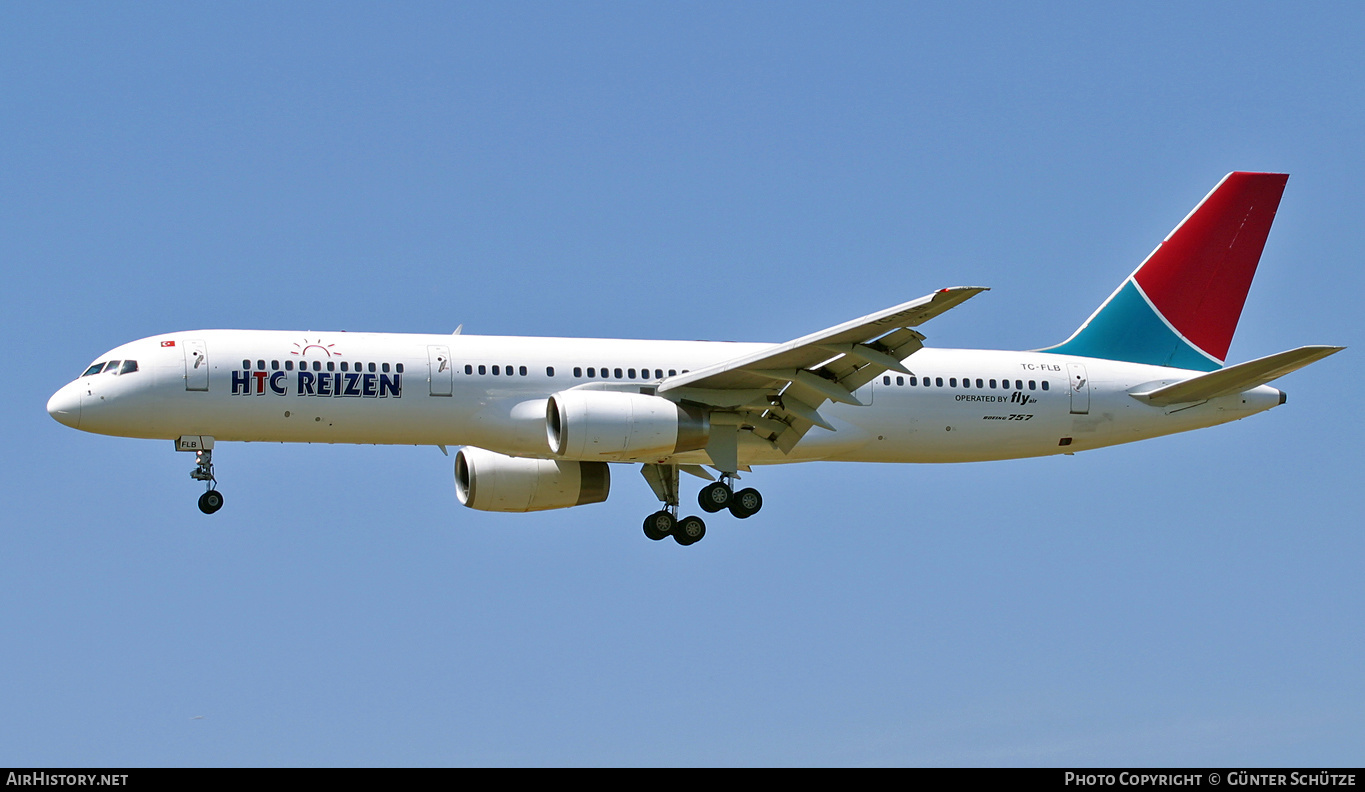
541,421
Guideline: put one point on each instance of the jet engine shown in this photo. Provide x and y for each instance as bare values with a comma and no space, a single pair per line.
490,481
621,426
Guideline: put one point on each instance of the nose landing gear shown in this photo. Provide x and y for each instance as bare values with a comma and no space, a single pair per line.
212,500
202,446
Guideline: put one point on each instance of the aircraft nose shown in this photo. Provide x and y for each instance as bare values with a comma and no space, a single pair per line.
65,406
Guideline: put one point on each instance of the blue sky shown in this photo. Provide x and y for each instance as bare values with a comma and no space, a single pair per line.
748,171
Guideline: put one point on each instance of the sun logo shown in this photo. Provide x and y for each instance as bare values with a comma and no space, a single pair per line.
302,349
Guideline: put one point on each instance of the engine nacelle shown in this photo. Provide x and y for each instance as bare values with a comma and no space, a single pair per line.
618,425
490,481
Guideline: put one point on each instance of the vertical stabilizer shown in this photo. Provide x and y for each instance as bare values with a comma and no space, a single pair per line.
1180,308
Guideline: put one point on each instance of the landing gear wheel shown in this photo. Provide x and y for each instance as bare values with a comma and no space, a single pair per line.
659,524
210,501
746,503
714,497
690,530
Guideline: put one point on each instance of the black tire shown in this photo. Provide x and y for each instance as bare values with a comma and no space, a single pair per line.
659,524
746,503
714,497
210,501
690,530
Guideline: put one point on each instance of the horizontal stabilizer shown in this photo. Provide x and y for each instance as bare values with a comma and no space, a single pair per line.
1238,378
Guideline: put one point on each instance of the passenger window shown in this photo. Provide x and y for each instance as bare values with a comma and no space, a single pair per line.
522,371
549,371
507,370
631,372
398,368
886,380
592,372
246,364
483,370
331,366
274,365
914,380
658,373
979,384
1018,384
577,371
288,365
497,370
672,372
900,380
938,381
1044,384
618,373
384,367
1032,385
468,369
260,365
952,382
372,368
992,383
317,365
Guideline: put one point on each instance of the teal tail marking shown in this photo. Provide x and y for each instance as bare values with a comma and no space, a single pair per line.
1128,328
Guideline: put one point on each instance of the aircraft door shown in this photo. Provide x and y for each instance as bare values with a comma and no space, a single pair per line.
196,366
1080,389
441,370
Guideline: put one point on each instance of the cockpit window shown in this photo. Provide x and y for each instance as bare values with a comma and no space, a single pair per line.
112,368
95,369
129,366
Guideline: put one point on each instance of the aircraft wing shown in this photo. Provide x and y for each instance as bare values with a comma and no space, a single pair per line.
777,393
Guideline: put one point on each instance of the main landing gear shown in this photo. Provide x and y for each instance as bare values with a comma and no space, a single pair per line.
665,523
714,497
212,500
720,495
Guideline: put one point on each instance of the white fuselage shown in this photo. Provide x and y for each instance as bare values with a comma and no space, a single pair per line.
491,392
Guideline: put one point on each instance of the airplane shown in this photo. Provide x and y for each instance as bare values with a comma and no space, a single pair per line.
541,421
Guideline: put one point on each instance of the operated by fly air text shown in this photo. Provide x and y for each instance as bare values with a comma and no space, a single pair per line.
542,422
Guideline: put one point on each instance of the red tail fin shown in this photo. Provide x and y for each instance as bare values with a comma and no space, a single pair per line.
1198,278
